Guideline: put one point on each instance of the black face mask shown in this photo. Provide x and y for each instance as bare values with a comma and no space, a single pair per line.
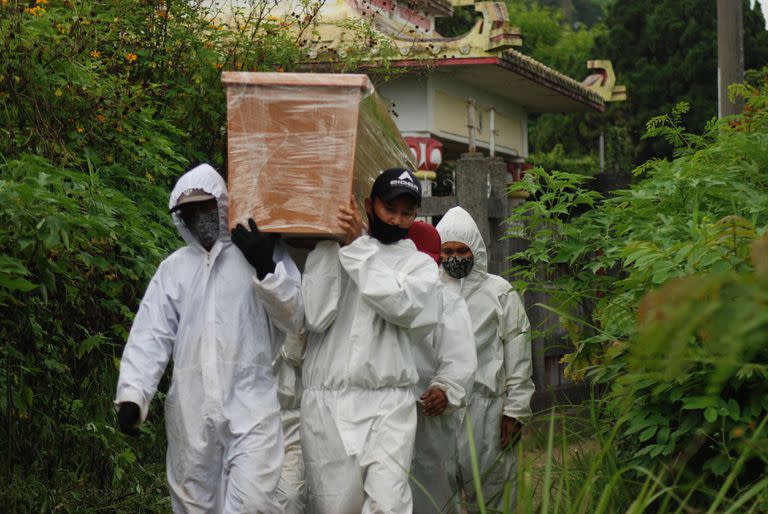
385,232
205,227
457,267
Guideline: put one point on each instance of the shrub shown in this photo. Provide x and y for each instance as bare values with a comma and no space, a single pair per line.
676,311
102,106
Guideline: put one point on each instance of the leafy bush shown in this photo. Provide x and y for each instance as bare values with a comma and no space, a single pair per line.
557,159
676,325
102,106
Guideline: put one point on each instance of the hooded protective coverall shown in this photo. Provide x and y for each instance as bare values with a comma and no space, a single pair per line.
503,382
220,324
445,360
366,305
291,490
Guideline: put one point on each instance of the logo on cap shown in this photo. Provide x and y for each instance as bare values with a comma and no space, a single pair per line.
393,182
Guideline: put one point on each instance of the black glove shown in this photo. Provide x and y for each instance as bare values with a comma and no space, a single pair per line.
256,247
128,415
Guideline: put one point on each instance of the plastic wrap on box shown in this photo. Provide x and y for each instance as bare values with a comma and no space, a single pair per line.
301,144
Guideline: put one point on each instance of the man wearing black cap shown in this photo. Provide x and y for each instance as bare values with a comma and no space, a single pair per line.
367,304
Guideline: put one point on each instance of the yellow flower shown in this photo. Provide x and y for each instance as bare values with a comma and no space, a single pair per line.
218,65
35,11
131,57
119,129
79,129
101,118
95,54
38,2
58,92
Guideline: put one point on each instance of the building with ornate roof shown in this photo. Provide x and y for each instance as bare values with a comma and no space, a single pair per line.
472,90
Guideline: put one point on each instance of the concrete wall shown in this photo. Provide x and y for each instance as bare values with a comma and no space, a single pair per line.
410,102
449,118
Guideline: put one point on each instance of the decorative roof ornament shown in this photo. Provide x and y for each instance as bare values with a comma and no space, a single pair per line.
410,29
495,17
603,81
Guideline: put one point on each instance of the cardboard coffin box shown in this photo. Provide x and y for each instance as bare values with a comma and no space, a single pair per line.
301,144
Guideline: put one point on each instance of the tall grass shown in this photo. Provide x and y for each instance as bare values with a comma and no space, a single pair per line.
569,462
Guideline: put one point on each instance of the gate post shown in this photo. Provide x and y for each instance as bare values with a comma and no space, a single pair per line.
498,245
472,189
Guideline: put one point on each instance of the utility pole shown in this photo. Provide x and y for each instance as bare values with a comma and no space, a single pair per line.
730,54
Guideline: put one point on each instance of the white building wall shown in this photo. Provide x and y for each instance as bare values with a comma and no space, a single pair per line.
436,105
511,118
410,99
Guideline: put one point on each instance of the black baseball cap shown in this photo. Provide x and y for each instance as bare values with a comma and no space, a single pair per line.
396,182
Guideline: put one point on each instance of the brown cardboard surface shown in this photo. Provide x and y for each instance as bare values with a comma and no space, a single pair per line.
301,144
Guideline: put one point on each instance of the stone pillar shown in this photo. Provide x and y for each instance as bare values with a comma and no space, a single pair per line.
472,189
481,189
498,212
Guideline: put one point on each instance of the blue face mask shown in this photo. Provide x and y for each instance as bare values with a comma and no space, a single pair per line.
458,267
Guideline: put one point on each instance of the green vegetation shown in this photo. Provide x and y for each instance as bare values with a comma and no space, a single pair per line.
671,274
566,46
102,106
664,52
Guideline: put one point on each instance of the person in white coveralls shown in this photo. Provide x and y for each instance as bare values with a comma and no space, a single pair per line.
503,386
218,311
367,304
445,362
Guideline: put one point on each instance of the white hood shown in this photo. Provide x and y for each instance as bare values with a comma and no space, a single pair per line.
458,225
208,179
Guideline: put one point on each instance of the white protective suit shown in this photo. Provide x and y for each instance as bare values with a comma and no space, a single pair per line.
503,382
445,360
366,305
209,312
291,490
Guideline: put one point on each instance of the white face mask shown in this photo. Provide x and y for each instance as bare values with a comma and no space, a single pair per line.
205,228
